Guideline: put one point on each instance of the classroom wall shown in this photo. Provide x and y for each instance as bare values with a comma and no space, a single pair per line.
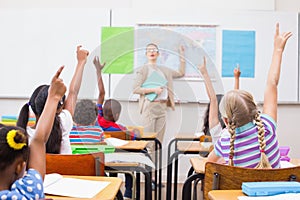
187,118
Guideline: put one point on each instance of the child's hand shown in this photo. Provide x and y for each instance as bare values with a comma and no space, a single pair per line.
237,72
97,64
181,49
280,39
81,54
57,88
202,68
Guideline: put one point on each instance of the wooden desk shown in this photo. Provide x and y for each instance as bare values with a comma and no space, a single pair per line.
151,136
124,162
134,145
182,145
192,147
225,194
295,161
124,167
108,193
198,164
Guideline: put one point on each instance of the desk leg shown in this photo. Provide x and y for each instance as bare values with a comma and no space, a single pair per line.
169,171
138,170
186,189
191,171
169,180
160,169
195,188
148,188
155,171
169,176
138,185
176,174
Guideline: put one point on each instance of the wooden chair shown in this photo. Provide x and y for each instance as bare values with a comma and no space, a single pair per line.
91,164
224,177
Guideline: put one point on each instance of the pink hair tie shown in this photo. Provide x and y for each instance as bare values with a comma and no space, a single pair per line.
262,151
230,157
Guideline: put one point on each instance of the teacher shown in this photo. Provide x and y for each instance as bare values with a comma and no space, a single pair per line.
156,97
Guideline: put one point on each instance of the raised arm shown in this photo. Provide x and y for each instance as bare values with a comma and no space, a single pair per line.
75,84
237,73
101,88
213,119
182,61
37,156
270,96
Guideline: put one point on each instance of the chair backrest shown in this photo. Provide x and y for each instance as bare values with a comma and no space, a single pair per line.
123,135
224,177
91,164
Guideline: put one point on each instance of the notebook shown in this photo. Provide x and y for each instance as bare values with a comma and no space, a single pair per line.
153,81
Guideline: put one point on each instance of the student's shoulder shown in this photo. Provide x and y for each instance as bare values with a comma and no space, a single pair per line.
31,185
267,119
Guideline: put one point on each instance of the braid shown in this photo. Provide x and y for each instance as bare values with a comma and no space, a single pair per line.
264,161
231,130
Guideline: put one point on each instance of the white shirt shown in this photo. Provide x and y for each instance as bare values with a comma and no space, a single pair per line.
66,123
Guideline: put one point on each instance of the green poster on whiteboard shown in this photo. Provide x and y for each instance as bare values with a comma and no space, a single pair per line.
117,45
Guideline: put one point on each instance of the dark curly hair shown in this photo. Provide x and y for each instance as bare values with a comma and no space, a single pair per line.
7,153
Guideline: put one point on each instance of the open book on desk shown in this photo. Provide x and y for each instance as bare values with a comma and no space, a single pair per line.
153,81
56,184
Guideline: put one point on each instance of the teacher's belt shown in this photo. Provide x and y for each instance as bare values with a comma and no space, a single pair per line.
161,101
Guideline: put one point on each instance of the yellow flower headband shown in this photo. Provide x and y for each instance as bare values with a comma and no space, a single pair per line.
10,138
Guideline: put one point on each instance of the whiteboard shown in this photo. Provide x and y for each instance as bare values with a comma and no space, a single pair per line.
35,42
262,22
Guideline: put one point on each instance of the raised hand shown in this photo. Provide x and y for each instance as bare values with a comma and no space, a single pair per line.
82,54
181,52
97,64
181,49
237,72
280,39
202,68
57,88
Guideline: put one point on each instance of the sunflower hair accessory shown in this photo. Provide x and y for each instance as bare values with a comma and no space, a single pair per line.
10,138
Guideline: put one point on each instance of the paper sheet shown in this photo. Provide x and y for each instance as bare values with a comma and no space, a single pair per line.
115,142
56,184
129,157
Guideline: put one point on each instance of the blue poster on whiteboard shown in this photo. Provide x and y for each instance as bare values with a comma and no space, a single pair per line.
238,49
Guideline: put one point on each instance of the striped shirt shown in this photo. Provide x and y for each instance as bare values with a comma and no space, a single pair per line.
86,134
246,145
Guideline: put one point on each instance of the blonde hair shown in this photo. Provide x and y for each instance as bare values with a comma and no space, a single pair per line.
239,107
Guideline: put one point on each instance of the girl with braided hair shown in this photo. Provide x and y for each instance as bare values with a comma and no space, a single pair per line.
249,139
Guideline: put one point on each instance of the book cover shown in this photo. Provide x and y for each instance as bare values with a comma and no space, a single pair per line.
153,81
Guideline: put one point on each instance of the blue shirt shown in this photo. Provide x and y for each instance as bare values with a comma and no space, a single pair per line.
28,187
